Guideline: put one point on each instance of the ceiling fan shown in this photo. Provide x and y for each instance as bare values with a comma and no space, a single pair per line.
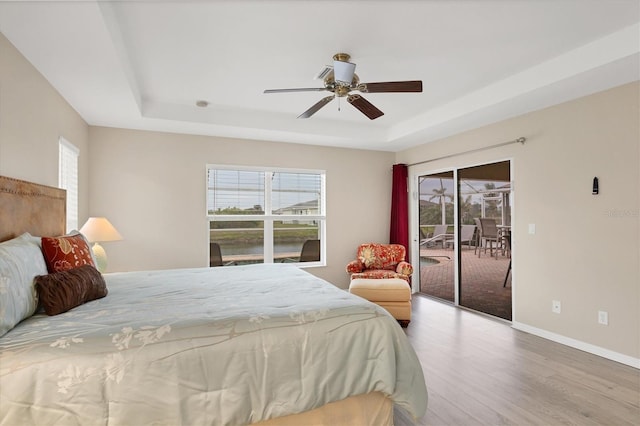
341,80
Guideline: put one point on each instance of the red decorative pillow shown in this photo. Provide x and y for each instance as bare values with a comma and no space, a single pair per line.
61,291
66,252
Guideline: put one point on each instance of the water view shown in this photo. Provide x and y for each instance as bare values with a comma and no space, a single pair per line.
240,249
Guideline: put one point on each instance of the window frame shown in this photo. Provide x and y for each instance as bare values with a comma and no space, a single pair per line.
68,179
268,217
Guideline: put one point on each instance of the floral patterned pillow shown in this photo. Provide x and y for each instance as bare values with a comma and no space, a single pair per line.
66,252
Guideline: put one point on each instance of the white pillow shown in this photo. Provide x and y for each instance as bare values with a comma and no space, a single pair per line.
21,260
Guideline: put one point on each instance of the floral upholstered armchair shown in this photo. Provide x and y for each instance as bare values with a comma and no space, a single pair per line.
380,261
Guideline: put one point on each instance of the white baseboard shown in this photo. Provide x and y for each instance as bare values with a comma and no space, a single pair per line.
587,347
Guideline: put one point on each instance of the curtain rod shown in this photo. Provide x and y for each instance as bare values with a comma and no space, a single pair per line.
521,140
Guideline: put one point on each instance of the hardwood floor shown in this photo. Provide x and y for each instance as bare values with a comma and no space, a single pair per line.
480,371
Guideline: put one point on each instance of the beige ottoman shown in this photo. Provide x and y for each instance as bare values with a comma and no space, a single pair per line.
393,294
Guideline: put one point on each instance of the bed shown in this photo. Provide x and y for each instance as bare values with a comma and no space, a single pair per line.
264,344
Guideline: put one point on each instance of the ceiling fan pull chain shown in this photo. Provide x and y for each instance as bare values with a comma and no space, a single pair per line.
338,104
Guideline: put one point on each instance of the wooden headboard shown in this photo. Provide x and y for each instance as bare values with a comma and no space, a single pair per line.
29,207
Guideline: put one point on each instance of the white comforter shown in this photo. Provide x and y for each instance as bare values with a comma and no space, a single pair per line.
228,346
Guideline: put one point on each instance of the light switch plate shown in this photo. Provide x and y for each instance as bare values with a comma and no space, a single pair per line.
532,228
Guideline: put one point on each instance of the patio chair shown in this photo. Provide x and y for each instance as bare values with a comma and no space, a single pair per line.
507,245
310,251
467,235
439,235
488,235
215,256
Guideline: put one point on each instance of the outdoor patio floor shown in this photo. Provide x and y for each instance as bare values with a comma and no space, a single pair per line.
482,280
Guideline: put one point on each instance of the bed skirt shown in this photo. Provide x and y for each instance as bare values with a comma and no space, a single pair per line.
368,409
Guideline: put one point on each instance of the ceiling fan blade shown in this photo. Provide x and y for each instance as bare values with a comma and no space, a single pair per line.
391,86
365,107
302,89
316,107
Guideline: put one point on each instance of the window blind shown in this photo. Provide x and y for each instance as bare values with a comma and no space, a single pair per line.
68,179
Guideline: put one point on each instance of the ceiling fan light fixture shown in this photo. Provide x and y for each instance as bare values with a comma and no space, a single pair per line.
343,72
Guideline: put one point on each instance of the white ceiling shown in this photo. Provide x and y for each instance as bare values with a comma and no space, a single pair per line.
144,64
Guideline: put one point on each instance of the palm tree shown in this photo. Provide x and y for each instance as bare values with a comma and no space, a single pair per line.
465,207
489,186
490,201
442,196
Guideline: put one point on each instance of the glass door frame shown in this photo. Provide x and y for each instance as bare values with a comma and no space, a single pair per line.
423,169
414,227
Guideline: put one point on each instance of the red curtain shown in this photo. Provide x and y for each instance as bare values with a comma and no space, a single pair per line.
399,230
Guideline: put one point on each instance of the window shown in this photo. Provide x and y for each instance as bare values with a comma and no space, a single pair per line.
68,179
259,215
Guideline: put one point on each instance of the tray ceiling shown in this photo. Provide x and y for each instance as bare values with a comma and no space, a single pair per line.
145,64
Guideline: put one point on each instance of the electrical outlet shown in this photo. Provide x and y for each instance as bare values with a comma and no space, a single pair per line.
603,317
556,306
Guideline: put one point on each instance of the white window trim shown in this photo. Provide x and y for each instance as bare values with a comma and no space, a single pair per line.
270,218
66,174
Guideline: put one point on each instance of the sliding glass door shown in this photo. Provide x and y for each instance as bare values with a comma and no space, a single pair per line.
436,210
484,211
465,237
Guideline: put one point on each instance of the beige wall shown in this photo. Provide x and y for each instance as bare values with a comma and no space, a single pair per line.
585,252
33,116
152,188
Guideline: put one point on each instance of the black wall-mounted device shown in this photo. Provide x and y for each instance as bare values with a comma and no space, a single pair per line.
595,189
